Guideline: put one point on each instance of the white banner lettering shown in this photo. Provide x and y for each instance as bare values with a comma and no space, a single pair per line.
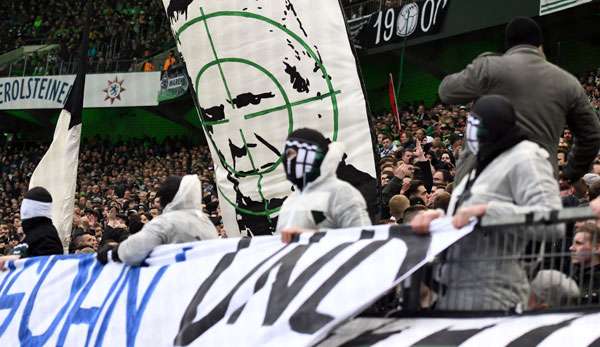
101,90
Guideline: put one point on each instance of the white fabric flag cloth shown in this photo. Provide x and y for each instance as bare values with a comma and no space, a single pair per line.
260,70
57,171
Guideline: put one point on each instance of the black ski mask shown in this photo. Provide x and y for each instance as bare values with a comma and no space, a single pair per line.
497,129
168,190
304,152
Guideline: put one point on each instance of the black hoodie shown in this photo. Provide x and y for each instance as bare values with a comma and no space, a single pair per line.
41,237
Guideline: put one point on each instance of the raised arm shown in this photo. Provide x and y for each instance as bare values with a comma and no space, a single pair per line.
467,85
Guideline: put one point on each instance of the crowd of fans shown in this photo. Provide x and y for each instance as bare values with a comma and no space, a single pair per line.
423,149
418,160
116,188
120,32
118,182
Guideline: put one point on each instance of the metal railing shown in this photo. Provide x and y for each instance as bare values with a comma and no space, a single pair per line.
55,66
518,263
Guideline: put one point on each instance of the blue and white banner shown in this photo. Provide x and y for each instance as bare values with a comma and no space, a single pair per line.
101,90
234,292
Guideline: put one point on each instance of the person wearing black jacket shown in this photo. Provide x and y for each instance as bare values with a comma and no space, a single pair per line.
585,258
41,237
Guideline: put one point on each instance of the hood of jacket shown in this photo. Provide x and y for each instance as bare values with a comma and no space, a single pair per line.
330,163
188,196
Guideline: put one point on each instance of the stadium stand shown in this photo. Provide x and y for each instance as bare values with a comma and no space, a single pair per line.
122,34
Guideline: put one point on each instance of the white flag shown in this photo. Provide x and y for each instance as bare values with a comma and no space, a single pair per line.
57,171
262,69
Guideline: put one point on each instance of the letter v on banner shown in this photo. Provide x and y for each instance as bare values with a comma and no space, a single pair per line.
57,171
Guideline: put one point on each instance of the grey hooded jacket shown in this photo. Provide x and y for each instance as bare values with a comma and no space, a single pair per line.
520,180
327,202
545,97
182,221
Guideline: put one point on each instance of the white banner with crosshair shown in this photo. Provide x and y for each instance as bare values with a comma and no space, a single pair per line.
260,70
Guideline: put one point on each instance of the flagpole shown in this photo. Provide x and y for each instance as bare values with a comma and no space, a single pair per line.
394,102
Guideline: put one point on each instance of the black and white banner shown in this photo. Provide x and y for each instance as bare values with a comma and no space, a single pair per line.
396,24
552,6
233,292
578,329
262,69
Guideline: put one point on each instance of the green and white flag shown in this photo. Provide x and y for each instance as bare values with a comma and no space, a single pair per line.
261,69
552,6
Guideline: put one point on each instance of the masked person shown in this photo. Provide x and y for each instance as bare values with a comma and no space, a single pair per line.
546,97
512,175
320,199
182,221
41,237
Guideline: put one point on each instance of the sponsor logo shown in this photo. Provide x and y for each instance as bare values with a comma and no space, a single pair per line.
114,90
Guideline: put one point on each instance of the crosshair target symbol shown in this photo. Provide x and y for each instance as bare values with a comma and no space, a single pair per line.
238,109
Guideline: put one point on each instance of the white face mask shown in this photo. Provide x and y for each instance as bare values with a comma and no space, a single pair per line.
471,134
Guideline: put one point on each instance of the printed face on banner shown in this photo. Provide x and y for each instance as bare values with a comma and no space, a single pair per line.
259,73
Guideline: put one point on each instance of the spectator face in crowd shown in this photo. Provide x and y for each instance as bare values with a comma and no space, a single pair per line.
596,167
438,178
585,249
404,138
4,230
86,241
445,158
418,192
386,142
567,136
385,179
407,157
561,158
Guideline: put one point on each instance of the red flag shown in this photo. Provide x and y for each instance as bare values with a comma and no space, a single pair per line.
393,103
